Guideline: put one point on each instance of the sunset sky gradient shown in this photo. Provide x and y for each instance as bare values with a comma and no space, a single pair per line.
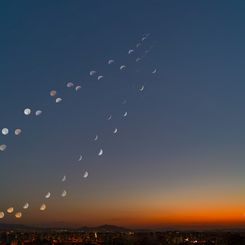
179,157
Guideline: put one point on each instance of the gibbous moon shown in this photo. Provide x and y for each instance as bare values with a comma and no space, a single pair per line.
3,147
53,93
27,111
17,131
26,206
69,84
18,215
1,215
10,210
5,131
85,175
43,207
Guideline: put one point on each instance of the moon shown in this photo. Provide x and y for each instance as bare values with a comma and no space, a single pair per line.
5,131
109,117
85,175
64,193
115,131
18,215
130,51
138,45
122,67
43,207
100,77
17,131
91,73
38,112
138,59
69,84
63,179
58,100
1,215
100,152
96,137
110,61
53,93
10,210
27,111
47,196
80,158
142,88
26,206
125,114
3,147
78,87
154,71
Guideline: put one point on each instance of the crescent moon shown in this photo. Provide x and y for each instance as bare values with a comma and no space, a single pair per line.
78,87
130,51
125,114
63,179
26,206
96,137
38,112
85,175
80,158
100,152
122,67
142,88
100,77
64,193
58,100
47,196
110,61
91,73
115,131
154,71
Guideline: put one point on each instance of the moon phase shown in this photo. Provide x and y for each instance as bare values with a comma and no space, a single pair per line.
27,111
18,215
26,206
100,152
47,196
10,210
1,215
43,207
5,131
85,175
3,147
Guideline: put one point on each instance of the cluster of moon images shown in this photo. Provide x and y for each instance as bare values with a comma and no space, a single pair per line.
18,213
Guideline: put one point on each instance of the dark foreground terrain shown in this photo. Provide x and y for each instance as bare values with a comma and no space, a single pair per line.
113,235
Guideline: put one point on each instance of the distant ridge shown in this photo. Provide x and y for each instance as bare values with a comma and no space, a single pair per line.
102,228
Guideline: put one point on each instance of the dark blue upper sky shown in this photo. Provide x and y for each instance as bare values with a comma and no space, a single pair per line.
184,131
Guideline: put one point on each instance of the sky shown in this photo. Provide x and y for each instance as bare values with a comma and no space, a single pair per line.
178,157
